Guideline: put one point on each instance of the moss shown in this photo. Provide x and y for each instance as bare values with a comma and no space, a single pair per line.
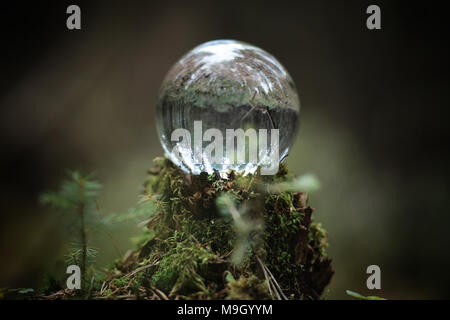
120,282
190,243
247,288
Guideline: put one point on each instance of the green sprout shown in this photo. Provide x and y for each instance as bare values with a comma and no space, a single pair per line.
76,203
361,297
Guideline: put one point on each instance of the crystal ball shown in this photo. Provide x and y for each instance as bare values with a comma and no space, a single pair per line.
227,105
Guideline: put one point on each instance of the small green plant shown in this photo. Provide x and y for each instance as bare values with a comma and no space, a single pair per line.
76,202
248,231
361,297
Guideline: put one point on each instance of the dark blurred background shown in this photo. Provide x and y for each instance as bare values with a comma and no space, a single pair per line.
374,122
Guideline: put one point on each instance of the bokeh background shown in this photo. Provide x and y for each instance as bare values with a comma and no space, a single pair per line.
374,123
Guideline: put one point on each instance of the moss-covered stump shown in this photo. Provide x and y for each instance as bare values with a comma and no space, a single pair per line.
215,238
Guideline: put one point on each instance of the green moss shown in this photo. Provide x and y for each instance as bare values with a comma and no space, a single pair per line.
208,231
247,288
120,282
318,238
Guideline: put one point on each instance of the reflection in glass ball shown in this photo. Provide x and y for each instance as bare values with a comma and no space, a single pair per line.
227,105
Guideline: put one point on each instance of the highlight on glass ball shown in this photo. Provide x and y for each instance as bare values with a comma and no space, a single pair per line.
227,105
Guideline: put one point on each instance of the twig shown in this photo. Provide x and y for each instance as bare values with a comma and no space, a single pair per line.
90,288
142,268
276,284
267,277
272,281
161,294
103,288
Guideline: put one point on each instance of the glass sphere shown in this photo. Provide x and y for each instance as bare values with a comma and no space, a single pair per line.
240,92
